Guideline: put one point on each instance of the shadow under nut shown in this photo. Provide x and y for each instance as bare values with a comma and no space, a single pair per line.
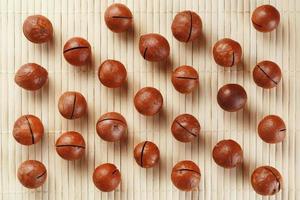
31,76
112,127
146,154
28,130
72,105
32,174
77,51
185,128
154,47
70,145
186,175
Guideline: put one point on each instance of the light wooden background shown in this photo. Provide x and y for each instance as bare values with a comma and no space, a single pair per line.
221,18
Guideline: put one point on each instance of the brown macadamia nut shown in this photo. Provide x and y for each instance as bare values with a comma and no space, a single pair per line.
265,18
266,180
187,26
227,52
228,154
271,129
77,51
232,97
31,76
70,145
186,175
154,47
72,105
112,73
185,128
118,18
146,154
112,127
107,177
38,29
266,74
28,130
148,101
32,174
185,79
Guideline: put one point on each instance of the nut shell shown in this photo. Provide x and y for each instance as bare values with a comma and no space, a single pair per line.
70,145
185,128
227,52
28,130
186,175
146,154
187,26
38,29
228,154
112,127
232,97
112,73
107,177
154,47
31,76
266,180
266,74
118,18
265,18
72,105
148,101
185,79
77,51
32,174
272,129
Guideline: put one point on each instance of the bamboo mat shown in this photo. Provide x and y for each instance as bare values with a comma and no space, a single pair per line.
221,18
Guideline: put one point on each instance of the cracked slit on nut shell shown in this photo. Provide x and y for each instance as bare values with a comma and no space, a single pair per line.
74,48
142,153
30,129
267,75
233,59
70,145
189,170
121,17
115,171
186,129
39,176
189,78
191,26
73,110
112,119
144,55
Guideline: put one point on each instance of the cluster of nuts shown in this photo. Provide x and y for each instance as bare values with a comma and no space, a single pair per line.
148,101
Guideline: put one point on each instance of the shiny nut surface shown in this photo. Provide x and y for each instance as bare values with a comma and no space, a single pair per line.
28,130
107,177
146,154
118,18
31,76
32,174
